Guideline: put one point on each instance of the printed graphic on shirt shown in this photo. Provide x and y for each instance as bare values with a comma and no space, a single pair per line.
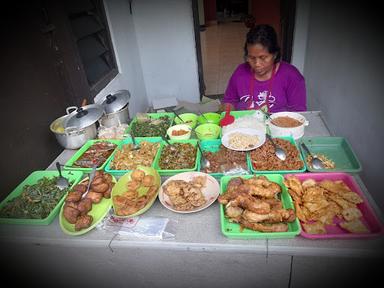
260,99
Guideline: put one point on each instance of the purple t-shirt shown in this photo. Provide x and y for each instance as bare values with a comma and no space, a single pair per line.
287,91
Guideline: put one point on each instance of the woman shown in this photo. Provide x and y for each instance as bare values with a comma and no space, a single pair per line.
263,81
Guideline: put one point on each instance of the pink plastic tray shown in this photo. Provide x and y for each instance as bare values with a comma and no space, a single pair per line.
370,219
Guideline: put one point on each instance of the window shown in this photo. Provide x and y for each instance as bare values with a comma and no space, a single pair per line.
90,31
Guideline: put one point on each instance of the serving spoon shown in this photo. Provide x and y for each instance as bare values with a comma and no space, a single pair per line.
280,153
61,181
316,161
204,162
135,145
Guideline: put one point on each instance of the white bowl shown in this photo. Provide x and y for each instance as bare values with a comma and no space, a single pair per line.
184,127
295,132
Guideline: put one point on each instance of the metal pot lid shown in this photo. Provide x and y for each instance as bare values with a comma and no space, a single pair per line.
116,102
84,116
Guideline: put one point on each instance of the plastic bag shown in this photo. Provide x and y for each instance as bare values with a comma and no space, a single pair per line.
152,228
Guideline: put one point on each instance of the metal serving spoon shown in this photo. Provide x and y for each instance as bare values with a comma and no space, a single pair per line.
169,144
135,145
204,161
91,176
61,182
280,153
316,162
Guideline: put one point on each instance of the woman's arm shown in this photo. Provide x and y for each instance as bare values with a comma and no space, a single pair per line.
296,95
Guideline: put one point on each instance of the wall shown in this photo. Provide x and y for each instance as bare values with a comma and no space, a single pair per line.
300,34
343,69
124,40
166,41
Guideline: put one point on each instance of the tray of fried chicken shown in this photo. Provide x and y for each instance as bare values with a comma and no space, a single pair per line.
82,211
257,207
331,205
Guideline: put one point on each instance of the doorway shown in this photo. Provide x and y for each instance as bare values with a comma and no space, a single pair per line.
220,30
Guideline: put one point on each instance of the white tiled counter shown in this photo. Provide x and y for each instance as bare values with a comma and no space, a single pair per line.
199,256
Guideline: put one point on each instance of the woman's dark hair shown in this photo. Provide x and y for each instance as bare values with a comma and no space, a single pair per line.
265,35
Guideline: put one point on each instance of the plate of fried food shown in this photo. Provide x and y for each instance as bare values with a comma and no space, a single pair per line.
189,192
331,205
81,214
135,192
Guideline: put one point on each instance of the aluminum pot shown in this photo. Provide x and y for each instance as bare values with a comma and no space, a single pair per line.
116,118
71,137
116,109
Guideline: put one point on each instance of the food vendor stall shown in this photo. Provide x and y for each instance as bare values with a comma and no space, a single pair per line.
198,255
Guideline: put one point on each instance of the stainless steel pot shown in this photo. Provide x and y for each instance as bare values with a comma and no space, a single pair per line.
116,109
116,118
72,137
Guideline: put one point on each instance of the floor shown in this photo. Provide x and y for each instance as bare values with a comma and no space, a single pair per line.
222,52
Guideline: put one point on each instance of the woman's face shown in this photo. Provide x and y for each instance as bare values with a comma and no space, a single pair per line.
260,60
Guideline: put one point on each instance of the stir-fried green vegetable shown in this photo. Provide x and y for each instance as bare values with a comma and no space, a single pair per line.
35,202
148,127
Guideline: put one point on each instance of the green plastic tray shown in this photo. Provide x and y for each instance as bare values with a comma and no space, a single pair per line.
74,176
232,230
77,155
153,116
290,139
173,172
108,168
336,149
213,146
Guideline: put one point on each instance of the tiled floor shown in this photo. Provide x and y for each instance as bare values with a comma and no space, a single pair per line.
222,50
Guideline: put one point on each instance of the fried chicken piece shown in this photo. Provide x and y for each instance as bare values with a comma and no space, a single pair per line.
84,206
83,222
250,203
272,217
137,175
277,227
94,196
70,213
100,188
148,180
107,194
133,185
233,212
80,187
73,196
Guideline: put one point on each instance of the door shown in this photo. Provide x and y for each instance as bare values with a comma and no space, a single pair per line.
34,92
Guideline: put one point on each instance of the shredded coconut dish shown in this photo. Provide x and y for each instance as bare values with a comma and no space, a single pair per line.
243,141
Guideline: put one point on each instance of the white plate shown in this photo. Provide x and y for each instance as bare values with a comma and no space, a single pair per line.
211,190
248,131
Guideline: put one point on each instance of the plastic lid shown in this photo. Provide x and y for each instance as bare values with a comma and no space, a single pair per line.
116,102
84,116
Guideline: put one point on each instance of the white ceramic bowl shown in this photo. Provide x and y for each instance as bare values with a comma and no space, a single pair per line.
295,132
184,127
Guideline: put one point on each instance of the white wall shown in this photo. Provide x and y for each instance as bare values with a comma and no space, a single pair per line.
165,35
343,70
124,40
300,34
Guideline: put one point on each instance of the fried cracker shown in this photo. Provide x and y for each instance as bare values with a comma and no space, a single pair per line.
355,226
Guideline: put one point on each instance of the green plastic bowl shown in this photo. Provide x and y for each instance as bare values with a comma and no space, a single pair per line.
188,118
210,117
208,131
